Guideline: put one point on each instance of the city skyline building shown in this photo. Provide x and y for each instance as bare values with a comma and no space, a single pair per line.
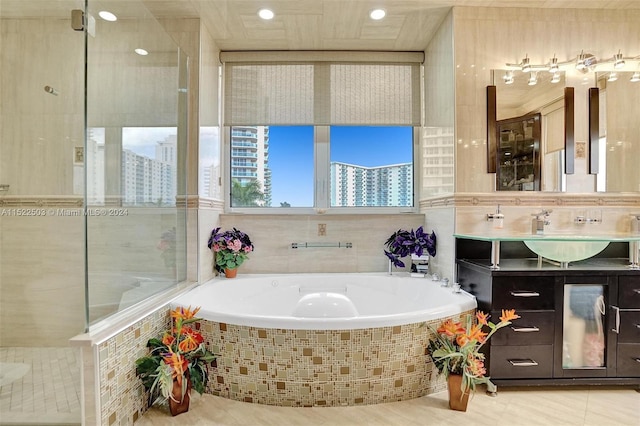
355,186
250,158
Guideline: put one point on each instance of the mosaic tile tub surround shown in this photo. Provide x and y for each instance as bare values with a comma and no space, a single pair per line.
322,367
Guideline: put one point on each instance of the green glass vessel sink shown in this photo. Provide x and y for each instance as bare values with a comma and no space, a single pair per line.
566,251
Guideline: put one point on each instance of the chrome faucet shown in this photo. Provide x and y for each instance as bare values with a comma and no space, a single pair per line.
539,221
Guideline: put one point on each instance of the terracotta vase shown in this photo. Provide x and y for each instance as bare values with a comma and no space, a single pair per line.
457,401
177,403
230,273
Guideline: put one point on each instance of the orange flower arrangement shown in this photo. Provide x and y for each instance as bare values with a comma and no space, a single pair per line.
456,348
180,353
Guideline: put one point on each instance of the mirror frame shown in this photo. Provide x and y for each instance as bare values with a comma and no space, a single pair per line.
569,135
594,130
492,130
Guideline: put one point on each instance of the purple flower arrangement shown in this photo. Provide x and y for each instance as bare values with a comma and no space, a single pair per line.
230,248
404,243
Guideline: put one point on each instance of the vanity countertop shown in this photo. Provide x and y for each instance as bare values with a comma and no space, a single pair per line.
622,237
532,264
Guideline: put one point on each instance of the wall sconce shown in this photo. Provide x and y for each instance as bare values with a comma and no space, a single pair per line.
556,78
618,61
526,66
553,65
612,76
635,77
508,77
533,79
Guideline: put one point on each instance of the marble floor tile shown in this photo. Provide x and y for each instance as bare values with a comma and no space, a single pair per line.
513,406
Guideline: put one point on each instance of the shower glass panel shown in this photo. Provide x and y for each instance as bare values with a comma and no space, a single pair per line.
41,202
135,155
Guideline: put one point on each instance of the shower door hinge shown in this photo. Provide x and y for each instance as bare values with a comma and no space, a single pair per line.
77,19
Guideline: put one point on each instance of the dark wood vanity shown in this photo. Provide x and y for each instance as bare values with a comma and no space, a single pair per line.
578,325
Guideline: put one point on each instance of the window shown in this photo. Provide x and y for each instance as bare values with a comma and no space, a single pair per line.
356,166
321,130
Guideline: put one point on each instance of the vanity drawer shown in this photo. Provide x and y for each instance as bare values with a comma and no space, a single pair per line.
524,293
628,360
532,328
629,327
522,362
629,292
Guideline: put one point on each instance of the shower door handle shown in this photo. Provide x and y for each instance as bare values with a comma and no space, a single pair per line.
617,327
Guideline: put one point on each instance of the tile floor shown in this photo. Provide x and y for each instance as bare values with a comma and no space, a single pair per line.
597,406
48,393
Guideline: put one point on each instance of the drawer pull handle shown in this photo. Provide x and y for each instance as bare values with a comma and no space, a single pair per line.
617,320
637,325
637,290
529,329
523,362
637,359
525,294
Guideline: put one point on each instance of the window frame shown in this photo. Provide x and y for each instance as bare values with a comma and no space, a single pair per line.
322,176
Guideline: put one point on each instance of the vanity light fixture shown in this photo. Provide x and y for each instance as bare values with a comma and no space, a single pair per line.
377,14
580,61
266,14
553,65
526,66
508,77
618,61
612,76
107,16
555,78
533,79
635,77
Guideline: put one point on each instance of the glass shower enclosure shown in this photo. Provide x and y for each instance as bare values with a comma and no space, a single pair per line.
92,186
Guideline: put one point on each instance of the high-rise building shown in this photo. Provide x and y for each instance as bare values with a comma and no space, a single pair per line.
382,186
250,158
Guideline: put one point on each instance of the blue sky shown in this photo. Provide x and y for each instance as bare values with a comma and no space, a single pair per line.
291,156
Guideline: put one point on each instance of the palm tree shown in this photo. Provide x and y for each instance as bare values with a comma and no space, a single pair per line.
246,195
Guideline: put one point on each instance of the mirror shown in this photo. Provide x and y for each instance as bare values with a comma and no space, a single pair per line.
519,94
619,143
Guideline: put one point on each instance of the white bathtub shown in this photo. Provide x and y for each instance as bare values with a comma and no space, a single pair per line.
338,301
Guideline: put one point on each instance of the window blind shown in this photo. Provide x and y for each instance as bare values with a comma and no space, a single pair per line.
322,91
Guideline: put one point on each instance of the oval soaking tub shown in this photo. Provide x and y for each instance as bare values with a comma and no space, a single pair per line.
323,339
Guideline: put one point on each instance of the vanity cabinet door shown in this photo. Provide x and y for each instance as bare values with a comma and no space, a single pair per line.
524,293
532,328
629,292
521,362
629,327
628,360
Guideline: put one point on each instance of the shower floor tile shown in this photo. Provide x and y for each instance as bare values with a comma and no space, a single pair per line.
39,386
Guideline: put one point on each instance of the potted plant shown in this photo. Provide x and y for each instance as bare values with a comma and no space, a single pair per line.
404,243
455,351
176,363
230,249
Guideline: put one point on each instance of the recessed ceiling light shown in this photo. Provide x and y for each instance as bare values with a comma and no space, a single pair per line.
141,51
107,16
377,14
266,14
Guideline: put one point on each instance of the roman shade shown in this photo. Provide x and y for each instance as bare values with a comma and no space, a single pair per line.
322,88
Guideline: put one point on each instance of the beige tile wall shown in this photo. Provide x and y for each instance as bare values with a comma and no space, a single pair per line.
272,236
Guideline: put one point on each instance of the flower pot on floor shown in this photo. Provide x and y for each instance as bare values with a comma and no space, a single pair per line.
457,401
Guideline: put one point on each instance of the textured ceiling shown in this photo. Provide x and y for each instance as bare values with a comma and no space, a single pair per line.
302,24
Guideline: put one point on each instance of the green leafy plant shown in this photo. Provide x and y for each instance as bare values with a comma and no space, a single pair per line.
230,248
180,355
456,348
